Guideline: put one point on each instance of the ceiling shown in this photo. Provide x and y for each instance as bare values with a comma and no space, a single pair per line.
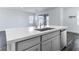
31,9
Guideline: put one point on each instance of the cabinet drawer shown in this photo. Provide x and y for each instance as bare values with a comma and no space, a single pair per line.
25,44
50,35
35,48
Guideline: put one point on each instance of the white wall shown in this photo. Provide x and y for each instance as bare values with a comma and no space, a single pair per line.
55,16
71,22
60,16
13,18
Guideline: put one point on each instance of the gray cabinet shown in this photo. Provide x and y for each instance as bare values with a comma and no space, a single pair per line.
47,45
25,44
52,44
35,48
46,42
50,35
56,43
51,41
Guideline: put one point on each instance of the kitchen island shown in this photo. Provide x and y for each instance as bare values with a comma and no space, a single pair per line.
28,39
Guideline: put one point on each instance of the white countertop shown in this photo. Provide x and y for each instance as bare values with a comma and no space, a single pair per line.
2,29
17,34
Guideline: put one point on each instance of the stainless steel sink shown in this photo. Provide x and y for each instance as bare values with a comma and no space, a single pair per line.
44,29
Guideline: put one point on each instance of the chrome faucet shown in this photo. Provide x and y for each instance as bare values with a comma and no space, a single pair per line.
40,25
36,26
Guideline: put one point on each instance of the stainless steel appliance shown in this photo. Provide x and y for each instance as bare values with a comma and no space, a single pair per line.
63,40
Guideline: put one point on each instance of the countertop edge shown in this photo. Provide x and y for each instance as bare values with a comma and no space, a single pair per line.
32,36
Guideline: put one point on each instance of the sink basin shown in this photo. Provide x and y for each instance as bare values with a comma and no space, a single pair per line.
44,29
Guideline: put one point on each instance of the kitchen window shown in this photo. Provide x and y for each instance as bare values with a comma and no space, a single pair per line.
31,20
37,19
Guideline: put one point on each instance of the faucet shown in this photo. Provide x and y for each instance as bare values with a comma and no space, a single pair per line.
40,25
35,26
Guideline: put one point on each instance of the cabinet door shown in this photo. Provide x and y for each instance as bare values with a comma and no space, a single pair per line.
47,45
50,35
35,48
25,44
56,43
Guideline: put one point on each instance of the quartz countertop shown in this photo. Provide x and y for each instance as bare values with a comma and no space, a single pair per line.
18,34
